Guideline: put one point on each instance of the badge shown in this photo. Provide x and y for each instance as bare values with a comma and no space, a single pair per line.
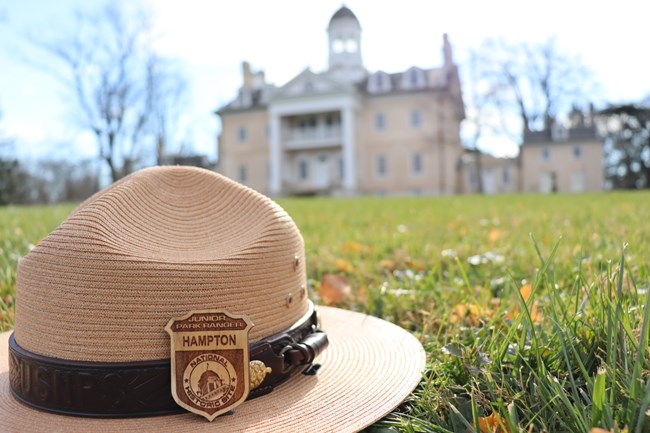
209,361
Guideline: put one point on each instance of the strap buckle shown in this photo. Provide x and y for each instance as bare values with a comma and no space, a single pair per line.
303,353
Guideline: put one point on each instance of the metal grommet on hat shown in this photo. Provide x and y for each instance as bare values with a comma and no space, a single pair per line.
170,291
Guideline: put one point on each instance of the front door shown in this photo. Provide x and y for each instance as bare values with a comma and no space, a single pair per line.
489,186
322,172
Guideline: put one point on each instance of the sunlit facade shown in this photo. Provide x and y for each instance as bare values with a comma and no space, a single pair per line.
346,130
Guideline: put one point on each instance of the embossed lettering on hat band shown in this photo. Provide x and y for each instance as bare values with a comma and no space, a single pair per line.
137,389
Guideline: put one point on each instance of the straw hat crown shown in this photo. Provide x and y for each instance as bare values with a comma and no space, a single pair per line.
155,245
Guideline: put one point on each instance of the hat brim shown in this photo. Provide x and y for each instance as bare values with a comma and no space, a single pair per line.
368,369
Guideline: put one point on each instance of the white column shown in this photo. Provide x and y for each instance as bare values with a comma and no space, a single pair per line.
275,155
349,154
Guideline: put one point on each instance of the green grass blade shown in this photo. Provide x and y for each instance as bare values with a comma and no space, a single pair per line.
640,364
598,399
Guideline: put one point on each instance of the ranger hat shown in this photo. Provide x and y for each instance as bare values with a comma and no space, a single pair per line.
176,290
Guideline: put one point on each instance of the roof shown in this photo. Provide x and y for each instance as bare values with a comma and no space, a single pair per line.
569,136
427,79
632,109
344,12
247,100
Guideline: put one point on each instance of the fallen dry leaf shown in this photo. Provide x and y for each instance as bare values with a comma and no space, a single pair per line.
470,313
401,255
362,294
494,423
494,235
418,266
535,315
351,247
525,291
343,266
333,289
387,264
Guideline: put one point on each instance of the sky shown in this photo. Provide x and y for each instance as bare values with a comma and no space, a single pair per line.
210,39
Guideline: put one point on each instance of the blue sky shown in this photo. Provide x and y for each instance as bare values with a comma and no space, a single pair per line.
211,38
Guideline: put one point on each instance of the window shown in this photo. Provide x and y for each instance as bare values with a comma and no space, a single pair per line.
385,83
416,118
242,176
338,46
345,45
473,178
413,77
506,176
548,183
244,99
341,168
578,182
308,122
351,45
306,127
577,152
303,169
379,82
380,122
487,181
416,164
546,154
382,166
242,134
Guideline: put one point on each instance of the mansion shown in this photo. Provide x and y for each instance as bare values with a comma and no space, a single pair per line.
346,130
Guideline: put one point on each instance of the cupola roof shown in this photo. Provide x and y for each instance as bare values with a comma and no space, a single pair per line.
343,12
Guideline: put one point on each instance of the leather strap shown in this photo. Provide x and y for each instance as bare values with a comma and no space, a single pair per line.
122,390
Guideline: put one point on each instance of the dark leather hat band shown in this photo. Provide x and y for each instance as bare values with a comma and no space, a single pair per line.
120,390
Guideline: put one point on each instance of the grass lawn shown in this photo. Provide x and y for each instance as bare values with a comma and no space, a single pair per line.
531,308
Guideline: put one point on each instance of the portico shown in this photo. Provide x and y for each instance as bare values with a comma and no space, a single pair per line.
311,142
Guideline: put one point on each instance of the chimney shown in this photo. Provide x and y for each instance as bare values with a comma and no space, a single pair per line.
591,115
446,51
248,76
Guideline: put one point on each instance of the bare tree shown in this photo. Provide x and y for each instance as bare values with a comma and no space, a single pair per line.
532,83
167,93
121,87
480,115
